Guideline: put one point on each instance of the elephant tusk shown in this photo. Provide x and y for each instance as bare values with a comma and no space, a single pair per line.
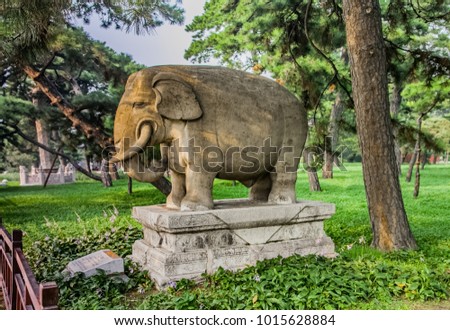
144,137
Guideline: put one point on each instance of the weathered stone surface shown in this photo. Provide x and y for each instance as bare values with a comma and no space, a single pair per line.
233,235
105,260
37,176
211,122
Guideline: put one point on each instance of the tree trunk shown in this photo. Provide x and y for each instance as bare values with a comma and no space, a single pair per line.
88,163
333,134
75,86
412,162
42,135
395,103
130,185
113,171
327,168
314,184
55,97
418,153
424,160
365,43
106,178
417,182
313,178
398,153
51,169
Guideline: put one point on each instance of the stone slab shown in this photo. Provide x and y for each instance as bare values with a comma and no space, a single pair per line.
89,265
233,235
231,214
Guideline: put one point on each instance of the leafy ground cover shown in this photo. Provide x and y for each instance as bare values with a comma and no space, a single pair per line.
65,222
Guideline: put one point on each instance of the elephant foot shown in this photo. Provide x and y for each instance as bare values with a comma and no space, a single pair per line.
283,188
172,203
260,191
195,206
172,206
258,195
282,198
258,198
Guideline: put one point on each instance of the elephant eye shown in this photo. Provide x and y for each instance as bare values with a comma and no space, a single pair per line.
139,105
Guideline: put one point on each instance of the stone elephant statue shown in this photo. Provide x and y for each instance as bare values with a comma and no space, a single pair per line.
211,122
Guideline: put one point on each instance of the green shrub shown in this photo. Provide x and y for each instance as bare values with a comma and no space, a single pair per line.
308,283
49,257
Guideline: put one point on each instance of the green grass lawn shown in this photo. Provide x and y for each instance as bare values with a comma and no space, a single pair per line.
62,222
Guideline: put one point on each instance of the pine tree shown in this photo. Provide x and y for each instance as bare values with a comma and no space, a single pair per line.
370,90
299,43
31,31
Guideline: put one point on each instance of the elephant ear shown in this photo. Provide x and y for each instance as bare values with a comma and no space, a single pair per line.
175,98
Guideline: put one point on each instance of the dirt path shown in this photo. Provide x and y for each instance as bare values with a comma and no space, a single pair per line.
441,305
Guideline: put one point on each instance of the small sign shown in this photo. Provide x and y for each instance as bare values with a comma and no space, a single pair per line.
105,260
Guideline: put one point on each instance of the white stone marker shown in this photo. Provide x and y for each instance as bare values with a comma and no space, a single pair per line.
105,260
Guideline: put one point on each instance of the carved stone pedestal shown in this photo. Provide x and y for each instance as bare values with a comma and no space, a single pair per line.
235,234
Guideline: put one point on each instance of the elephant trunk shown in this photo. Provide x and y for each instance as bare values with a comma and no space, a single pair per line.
141,173
144,138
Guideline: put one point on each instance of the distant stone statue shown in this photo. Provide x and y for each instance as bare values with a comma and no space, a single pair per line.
68,169
41,176
211,122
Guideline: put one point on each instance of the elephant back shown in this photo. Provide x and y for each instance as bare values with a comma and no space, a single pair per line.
241,109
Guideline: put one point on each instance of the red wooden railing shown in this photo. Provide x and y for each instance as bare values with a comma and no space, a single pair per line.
19,286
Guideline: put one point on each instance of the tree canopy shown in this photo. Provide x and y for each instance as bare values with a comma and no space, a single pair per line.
41,47
28,27
303,45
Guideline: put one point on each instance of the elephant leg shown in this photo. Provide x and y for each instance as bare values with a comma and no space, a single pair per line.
178,190
261,189
283,182
198,191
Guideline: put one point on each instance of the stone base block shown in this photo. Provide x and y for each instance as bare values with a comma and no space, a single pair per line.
233,235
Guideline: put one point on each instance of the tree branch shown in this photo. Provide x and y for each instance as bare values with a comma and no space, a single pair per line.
426,19
6,135
442,62
56,98
58,153
426,112
18,146
47,64
335,70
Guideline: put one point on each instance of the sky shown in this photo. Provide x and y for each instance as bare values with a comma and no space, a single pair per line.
165,46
